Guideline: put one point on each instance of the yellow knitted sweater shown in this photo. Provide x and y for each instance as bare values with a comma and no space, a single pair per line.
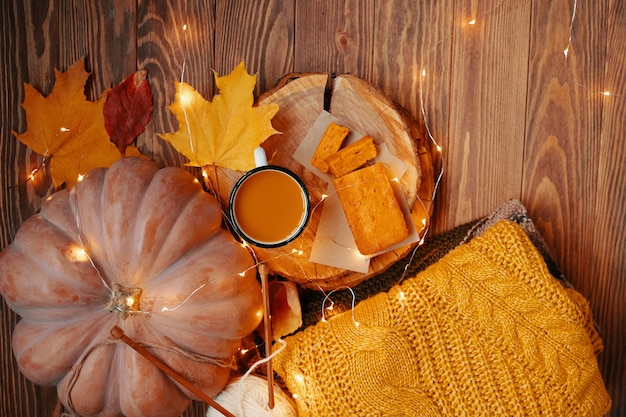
484,331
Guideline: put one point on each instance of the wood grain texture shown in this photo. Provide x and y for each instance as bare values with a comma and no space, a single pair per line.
606,289
173,54
334,37
262,36
570,179
411,64
105,33
564,125
515,118
487,107
28,46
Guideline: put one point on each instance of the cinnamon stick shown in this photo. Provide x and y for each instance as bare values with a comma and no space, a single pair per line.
118,333
267,325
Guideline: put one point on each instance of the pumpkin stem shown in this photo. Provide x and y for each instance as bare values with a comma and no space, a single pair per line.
124,301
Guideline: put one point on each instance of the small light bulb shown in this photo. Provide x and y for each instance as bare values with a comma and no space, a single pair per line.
185,26
64,129
472,22
607,93
423,73
76,253
130,301
80,177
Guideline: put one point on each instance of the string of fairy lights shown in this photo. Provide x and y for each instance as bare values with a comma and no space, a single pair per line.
327,306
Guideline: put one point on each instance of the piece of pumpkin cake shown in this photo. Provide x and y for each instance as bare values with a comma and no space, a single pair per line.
352,156
329,144
373,212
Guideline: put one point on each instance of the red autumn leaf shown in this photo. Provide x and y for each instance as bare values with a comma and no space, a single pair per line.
128,109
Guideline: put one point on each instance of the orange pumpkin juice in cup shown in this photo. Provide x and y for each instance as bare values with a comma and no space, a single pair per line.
269,205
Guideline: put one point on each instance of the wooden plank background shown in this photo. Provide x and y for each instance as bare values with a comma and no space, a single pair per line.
515,115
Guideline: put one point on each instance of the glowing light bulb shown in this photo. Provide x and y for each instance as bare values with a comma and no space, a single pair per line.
472,22
438,148
76,253
566,51
607,93
185,26
80,177
130,301
64,129
423,73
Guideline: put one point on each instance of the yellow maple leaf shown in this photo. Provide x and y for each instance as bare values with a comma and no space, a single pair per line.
67,129
223,132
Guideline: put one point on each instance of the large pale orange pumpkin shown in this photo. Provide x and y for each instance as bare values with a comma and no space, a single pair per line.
159,265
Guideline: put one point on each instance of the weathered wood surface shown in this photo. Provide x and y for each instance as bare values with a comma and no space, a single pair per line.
515,116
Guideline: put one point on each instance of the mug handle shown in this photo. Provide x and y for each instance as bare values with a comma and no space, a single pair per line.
260,158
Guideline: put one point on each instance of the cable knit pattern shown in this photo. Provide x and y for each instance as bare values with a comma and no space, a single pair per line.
484,331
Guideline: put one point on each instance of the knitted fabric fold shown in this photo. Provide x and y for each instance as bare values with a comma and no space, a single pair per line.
484,331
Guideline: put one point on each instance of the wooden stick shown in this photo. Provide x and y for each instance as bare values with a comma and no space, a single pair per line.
118,333
267,325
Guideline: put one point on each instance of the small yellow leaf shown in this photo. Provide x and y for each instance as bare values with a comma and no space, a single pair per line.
223,132
67,129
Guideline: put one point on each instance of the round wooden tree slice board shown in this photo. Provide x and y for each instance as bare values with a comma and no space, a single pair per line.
363,108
